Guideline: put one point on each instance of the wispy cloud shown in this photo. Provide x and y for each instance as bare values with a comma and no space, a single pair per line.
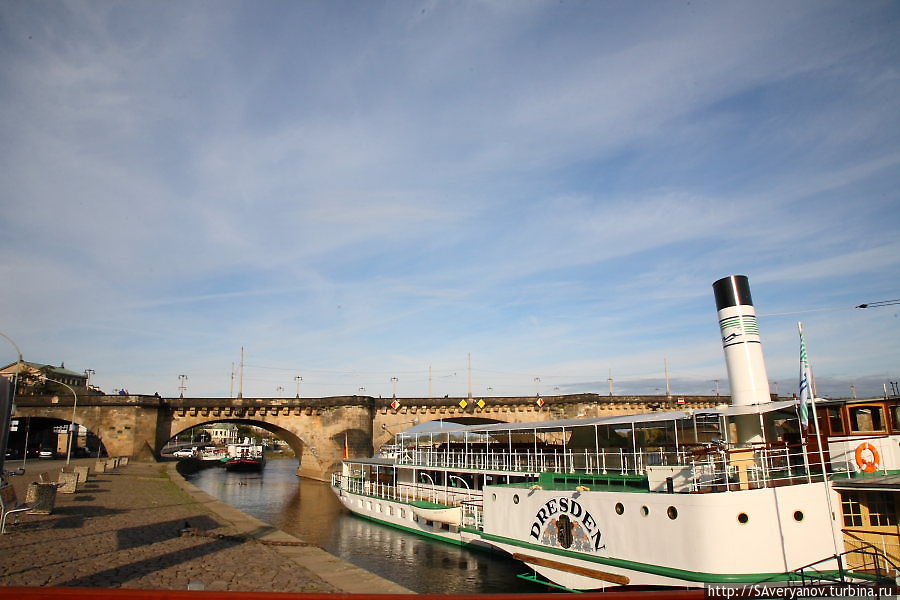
378,188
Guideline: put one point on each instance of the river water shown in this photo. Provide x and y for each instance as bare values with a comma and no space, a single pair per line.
309,510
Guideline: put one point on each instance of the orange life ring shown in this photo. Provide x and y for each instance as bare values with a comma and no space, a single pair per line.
865,463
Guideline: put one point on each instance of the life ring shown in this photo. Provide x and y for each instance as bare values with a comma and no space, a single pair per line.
867,457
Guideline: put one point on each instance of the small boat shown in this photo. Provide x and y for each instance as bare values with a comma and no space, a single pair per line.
245,457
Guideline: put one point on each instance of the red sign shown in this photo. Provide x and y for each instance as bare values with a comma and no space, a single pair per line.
681,401
395,404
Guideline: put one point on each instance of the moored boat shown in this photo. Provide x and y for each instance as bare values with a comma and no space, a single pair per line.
245,457
692,498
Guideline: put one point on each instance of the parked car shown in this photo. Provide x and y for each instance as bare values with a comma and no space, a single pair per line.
46,453
183,453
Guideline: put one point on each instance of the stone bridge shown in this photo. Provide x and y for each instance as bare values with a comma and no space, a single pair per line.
316,428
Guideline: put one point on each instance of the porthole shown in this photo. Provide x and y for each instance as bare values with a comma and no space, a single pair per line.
620,508
515,498
743,518
672,512
798,515
645,511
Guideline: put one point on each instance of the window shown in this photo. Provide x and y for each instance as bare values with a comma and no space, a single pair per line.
852,510
881,509
835,423
865,419
895,418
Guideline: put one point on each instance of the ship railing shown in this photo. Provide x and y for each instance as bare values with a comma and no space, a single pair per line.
728,469
604,461
404,492
879,449
473,514
710,467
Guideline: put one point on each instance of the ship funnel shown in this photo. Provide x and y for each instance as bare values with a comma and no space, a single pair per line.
740,340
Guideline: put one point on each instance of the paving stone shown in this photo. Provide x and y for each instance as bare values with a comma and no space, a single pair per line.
128,534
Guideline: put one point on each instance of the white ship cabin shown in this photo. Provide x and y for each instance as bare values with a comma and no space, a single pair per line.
863,451
863,436
688,452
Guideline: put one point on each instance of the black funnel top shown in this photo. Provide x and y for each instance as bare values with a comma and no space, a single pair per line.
732,291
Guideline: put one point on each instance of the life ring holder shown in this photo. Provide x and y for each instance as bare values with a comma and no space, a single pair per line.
866,465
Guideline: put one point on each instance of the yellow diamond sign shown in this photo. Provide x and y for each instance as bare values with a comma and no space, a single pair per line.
463,403
480,403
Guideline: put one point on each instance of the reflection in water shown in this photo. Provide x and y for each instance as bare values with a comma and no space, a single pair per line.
309,510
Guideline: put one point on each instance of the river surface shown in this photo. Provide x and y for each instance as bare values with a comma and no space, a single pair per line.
309,510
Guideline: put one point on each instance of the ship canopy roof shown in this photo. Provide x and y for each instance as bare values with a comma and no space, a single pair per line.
439,427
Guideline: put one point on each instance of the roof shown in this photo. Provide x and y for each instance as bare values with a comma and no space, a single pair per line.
878,482
651,417
53,369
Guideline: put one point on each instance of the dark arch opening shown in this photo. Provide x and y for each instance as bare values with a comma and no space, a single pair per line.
29,436
294,442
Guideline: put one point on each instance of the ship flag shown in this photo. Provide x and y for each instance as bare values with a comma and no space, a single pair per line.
806,393
805,382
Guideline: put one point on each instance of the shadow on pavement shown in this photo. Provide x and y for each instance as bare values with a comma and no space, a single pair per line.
115,577
144,535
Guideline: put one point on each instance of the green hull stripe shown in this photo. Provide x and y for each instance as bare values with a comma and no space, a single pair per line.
660,570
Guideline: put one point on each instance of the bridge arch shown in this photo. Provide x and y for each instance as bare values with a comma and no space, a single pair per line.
51,433
317,437
294,440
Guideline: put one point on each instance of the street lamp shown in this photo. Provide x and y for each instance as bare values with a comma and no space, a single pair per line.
87,382
298,379
537,386
279,390
394,381
183,385
73,428
10,407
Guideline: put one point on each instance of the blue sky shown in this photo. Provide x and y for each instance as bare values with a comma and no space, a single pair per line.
355,191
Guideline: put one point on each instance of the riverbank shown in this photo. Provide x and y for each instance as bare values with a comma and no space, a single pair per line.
143,526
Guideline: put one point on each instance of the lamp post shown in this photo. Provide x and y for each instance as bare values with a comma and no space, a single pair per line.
9,408
182,386
537,386
394,381
72,427
298,379
87,376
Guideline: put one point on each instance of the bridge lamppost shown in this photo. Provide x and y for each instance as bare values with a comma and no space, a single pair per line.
394,381
183,385
298,379
537,386
280,390
87,379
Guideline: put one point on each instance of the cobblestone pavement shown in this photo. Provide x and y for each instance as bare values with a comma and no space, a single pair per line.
124,529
